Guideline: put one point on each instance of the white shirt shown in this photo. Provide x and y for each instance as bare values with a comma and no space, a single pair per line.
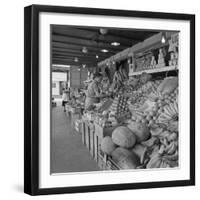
65,96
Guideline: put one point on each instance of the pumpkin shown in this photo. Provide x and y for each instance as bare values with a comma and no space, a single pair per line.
168,85
125,159
122,136
107,145
140,130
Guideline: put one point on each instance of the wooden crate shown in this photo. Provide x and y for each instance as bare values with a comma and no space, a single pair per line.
75,110
74,117
91,139
83,132
106,163
88,136
99,134
77,125
101,161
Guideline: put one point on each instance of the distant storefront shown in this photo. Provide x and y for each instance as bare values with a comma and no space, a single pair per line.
59,81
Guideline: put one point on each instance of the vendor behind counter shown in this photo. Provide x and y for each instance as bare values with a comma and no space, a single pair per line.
94,93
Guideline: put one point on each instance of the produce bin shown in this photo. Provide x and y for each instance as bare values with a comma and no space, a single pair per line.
106,163
88,136
83,132
99,134
74,118
77,125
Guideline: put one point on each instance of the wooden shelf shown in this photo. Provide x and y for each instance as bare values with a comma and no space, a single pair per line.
155,70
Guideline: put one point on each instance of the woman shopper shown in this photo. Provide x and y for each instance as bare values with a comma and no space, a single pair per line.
65,98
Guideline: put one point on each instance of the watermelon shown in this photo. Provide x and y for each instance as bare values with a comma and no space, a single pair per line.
125,159
122,136
107,145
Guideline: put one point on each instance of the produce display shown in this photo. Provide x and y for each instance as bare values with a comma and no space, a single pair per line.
159,104
141,115
150,138
119,108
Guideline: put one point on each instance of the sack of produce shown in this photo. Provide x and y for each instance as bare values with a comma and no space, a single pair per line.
140,130
125,158
168,85
122,136
107,145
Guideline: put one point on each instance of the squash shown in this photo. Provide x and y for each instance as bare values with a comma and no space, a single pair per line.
122,136
140,150
125,159
140,130
168,85
107,145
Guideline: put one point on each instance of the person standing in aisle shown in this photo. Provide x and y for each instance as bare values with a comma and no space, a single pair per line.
65,98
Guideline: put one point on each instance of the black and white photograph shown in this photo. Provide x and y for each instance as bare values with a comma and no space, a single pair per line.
109,100
114,99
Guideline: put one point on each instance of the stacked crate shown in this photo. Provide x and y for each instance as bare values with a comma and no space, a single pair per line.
105,162
87,132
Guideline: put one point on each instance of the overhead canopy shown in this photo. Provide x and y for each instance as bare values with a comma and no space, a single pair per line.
75,45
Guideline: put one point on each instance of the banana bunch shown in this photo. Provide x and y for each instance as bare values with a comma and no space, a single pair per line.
170,113
166,156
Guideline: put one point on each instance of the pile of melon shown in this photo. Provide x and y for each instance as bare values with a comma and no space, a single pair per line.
122,146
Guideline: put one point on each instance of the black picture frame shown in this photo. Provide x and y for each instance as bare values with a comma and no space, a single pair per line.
31,98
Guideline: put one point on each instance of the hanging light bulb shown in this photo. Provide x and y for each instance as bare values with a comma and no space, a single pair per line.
97,56
103,31
75,59
84,50
104,50
84,65
163,38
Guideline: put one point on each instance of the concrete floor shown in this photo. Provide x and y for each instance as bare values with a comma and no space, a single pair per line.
68,154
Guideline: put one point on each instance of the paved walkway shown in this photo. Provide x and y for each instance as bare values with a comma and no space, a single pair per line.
68,154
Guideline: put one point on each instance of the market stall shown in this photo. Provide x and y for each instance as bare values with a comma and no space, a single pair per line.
136,125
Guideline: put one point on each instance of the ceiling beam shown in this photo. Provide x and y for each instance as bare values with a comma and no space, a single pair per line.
86,60
69,31
68,50
77,47
64,62
71,59
94,42
86,43
88,56
90,53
